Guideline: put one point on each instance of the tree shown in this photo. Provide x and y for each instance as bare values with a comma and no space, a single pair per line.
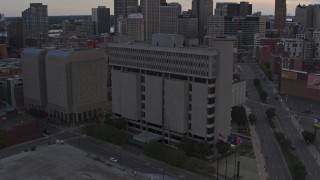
271,112
308,136
223,147
256,82
252,119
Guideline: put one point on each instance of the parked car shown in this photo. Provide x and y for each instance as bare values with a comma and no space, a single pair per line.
113,159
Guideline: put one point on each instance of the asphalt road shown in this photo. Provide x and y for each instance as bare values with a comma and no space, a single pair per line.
284,123
276,165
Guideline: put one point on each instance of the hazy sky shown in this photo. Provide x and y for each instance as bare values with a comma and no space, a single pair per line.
83,7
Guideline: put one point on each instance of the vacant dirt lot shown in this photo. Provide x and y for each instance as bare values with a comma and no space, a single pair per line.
58,162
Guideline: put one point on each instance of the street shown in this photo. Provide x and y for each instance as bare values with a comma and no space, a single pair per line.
284,123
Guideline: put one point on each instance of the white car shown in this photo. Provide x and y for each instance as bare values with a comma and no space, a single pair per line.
113,159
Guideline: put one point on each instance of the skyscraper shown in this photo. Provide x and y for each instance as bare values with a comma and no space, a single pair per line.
35,24
169,18
301,15
101,17
280,14
245,8
201,9
316,16
124,8
150,10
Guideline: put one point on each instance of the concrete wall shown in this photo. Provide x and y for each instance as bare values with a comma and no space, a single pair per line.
153,103
224,89
239,93
176,106
125,94
199,109
34,76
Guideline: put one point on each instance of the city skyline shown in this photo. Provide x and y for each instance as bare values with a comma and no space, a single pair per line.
14,8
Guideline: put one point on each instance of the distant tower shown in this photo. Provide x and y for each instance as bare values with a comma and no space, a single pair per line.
169,18
201,9
124,8
150,10
35,24
280,14
316,16
101,17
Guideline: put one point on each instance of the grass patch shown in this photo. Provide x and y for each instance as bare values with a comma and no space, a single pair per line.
108,133
176,157
244,150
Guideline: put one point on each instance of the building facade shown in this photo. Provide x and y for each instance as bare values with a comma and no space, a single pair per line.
101,17
132,26
169,18
188,26
34,78
15,34
35,24
124,8
150,10
280,14
202,9
76,84
173,91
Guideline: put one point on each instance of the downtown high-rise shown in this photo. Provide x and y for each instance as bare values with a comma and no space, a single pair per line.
150,10
202,9
35,24
124,8
280,14
101,17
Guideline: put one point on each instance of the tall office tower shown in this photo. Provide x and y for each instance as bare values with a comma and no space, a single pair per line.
201,9
150,10
101,17
176,92
124,8
76,84
316,16
301,15
34,78
188,26
2,23
310,16
226,9
15,34
169,18
35,24
245,8
280,14
132,26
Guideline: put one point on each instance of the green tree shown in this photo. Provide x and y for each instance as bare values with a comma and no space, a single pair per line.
271,112
252,118
256,82
308,136
223,147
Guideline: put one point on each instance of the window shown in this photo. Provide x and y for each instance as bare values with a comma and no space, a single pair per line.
210,130
143,97
211,111
190,87
211,120
211,90
211,100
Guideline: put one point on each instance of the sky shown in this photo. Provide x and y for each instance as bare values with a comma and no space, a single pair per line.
13,8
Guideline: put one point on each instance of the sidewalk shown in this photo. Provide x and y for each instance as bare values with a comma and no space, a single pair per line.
261,163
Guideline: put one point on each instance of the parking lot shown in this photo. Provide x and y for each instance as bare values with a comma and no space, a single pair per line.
59,162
